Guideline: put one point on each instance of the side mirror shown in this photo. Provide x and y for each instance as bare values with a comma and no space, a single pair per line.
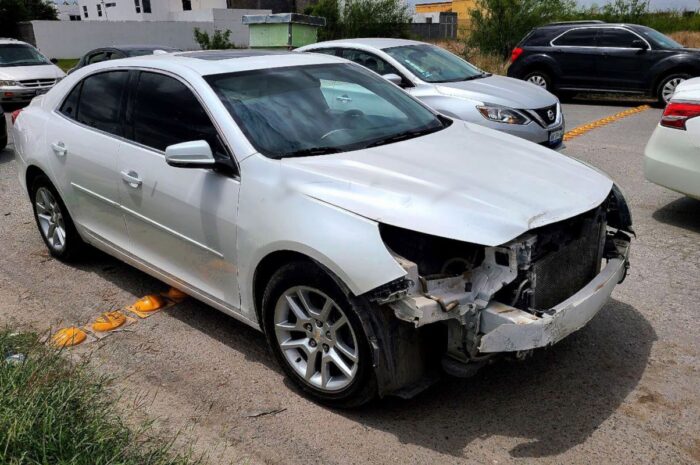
393,78
194,154
639,43
54,61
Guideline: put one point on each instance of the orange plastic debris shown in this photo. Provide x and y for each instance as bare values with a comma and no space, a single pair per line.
67,337
109,321
149,303
175,294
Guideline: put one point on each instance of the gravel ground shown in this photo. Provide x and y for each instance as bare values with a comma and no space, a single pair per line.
624,390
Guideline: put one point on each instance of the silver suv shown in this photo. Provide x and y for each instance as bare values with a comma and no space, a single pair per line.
456,88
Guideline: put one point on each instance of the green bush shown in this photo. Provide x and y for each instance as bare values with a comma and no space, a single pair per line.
362,18
15,11
218,41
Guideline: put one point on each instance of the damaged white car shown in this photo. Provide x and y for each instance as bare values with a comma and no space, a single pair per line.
371,239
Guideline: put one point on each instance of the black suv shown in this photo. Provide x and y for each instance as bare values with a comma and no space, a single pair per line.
594,56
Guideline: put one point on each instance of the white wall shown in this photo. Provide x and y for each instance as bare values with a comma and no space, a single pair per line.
72,39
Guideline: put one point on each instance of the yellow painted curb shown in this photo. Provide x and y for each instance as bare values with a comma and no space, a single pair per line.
604,121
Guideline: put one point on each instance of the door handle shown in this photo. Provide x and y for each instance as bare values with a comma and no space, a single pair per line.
343,98
59,148
131,178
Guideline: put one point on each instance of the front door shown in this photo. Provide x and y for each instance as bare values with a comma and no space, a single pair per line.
180,220
624,64
576,54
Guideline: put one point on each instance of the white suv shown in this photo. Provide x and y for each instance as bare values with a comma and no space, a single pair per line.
24,72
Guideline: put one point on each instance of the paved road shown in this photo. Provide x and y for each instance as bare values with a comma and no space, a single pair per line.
624,390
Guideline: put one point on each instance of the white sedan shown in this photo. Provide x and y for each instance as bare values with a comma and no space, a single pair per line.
672,156
367,243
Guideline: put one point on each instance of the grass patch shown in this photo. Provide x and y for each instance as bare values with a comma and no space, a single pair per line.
67,63
54,412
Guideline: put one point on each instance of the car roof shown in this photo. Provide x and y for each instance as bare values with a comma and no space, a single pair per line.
208,62
584,24
377,42
8,40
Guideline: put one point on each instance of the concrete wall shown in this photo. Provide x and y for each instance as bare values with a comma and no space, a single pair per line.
72,39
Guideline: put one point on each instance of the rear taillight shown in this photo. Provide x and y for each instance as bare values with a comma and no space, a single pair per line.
677,113
515,54
14,115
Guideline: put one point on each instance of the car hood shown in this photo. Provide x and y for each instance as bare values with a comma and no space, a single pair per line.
465,182
20,73
500,90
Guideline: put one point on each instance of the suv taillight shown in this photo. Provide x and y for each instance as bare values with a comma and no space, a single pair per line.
677,113
14,115
515,54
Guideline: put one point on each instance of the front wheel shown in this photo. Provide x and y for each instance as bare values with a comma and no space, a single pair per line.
667,87
315,333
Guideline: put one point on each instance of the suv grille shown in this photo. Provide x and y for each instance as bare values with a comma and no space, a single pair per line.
548,114
37,82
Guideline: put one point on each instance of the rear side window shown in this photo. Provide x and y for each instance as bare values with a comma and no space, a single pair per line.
100,102
577,38
166,112
616,38
70,104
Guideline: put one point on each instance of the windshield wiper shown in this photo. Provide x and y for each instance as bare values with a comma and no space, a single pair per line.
403,136
312,151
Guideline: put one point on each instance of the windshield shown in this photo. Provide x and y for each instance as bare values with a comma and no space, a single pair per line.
434,64
659,38
21,55
320,109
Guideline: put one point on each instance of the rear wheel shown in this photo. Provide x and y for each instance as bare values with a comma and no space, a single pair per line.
55,224
315,333
667,86
540,79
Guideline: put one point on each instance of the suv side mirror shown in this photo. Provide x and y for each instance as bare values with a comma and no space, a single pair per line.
393,78
194,154
639,43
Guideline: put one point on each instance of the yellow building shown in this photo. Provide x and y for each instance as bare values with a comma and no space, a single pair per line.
461,7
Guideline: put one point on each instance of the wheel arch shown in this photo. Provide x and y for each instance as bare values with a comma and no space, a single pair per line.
31,174
679,68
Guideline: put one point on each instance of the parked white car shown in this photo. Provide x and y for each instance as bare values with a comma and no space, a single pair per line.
456,88
24,72
367,244
672,156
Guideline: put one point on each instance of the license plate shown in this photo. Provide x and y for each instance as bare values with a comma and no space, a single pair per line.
556,136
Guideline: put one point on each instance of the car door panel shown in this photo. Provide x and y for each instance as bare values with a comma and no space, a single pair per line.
622,63
576,54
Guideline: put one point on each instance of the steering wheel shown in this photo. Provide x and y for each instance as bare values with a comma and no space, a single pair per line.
350,114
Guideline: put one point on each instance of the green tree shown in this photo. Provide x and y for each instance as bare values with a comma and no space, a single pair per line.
218,41
362,18
498,25
12,12
625,10
330,10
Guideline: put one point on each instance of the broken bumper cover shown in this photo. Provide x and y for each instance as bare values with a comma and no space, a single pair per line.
508,329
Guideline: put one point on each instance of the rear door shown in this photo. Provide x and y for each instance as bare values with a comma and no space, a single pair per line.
180,220
576,54
83,139
623,64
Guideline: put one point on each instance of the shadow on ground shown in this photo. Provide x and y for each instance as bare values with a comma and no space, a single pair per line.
683,213
611,100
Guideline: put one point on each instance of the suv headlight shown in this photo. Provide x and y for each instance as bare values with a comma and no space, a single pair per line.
8,83
501,114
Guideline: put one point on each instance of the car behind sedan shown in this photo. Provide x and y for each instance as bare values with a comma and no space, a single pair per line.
24,72
672,156
371,245
116,52
455,87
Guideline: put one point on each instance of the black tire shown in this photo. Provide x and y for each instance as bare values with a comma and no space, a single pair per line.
72,245
660,99
540,78
363,387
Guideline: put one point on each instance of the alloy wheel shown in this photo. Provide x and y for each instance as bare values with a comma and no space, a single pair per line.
50,218
670,87
538,80
316,338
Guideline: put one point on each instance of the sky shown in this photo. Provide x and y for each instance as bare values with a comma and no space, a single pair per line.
655,4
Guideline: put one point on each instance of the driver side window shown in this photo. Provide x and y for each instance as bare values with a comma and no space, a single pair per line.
369,61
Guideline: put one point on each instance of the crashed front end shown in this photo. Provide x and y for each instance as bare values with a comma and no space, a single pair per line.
528,293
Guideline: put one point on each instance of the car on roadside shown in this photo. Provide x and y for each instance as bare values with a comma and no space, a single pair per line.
24,72
117,52
371,245
455,87
593,56
672,156
3,130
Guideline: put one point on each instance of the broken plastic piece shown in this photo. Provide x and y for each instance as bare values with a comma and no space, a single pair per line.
149,303
109,321
67,337
175,295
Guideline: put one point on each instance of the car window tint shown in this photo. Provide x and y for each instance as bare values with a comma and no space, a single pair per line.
325,51
369,61
166,112
96,58
616,38
70,104
577,38
100,103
